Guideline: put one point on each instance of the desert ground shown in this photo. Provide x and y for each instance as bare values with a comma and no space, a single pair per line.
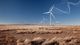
39,35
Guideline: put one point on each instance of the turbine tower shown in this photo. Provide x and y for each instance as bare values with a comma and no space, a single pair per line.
50,14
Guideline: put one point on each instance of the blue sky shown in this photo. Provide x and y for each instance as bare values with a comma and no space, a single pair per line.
30,11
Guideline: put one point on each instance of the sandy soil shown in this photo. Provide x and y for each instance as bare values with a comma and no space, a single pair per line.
47,35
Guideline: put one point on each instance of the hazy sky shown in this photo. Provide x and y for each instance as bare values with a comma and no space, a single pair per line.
30,11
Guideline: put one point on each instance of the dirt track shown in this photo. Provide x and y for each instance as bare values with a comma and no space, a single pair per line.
52,35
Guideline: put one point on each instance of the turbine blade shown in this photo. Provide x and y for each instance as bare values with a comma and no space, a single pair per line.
45,12
51,8
53,15
61,10
74,3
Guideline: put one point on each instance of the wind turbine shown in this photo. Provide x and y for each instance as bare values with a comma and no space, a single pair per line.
71,3
43,20
50,14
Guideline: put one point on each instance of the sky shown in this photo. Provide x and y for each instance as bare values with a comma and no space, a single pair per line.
31,12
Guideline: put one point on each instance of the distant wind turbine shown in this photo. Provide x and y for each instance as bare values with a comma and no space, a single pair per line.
71,3
43,20
50,14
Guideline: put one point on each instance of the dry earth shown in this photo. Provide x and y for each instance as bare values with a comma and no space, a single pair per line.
39,35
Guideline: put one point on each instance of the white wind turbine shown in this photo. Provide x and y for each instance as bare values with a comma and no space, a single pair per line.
50,14
42,21
71,3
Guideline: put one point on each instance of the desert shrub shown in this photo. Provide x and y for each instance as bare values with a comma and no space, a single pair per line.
37,41
20,42
51,43
27,42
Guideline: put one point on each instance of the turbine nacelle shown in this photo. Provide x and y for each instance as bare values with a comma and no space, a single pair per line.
50,13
